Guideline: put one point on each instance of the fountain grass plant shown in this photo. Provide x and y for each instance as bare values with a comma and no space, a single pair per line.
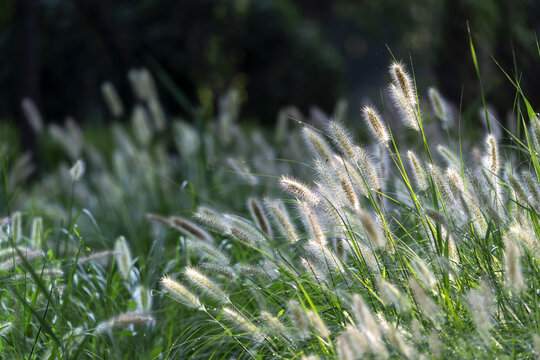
386,249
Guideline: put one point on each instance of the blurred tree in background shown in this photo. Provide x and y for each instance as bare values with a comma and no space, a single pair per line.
277,52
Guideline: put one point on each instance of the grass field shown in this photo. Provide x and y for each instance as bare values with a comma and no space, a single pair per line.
160,238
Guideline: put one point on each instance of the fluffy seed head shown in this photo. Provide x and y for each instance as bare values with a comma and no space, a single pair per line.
274,325
243,323
123,257
241,168
405,109
143,299
16,227
492,157
189,228
157,114
98,256
318,324
480,303
124,320
112,99
440,183
211,219
298,189
259,216
425,304
438,104
372,231
77,171
37,233
311,222
376,125
281,218
208,251
368,168
341,138
141,125
317,145
514,275
32,115
298,318
417,170
180,293
403,81
206,285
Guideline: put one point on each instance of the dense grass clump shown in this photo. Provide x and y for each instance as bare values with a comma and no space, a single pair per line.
387,249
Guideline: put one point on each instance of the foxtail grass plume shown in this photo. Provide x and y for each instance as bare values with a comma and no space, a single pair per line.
376,126
298,319
143,299
439,106
124,320
112,99
16,260
37,233
345,168
281,218
391,295
517,188
123,257
441,184
180,293
532,188
369,326
374,236
244,324
425,304
341,138
368,169
274,325
298,189
77,171
157,114
403,94
32,115
480,303
259,216
141,125
523,234
16,227
190,229
219,270
318,324
324,259
311,222
405,109
98,257
206,285
353,344
534,131
208,251
492,156
423,273
211,219
403,81
451,158
318,146
514,276
244,231
240,168
258,270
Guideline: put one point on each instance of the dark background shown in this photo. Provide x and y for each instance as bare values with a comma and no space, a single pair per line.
278,52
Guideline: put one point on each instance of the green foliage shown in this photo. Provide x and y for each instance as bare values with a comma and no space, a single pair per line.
375,253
